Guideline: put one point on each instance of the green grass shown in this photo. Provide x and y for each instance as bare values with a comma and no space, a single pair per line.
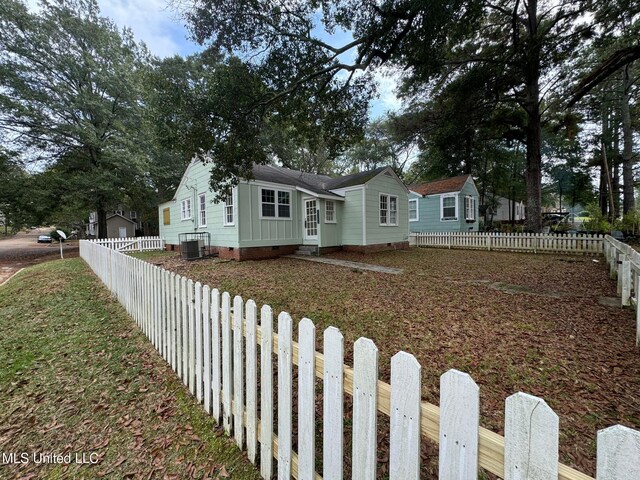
77,375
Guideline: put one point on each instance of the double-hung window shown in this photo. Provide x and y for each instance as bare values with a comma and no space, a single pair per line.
470,208
185,210
228,219
413,210
202,210
330,211
388,210
449,207
275,203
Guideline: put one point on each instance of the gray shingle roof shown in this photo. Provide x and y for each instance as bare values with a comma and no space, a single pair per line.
318,184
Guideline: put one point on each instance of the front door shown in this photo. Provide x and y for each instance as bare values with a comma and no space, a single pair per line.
122,232
310,220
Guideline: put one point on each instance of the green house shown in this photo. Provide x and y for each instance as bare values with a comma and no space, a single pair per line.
449,205
282,211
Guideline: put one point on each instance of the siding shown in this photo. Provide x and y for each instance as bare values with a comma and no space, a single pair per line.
429,218
256,232
352,218
377,233
330,232
194,183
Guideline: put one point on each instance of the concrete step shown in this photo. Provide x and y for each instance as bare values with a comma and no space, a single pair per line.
308,248
304,252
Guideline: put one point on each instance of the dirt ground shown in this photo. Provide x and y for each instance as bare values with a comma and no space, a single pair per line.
21,250
547,325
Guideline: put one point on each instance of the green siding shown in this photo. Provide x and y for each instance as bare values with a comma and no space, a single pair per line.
351,224
429,215
330,232
377,233
196,182
256,231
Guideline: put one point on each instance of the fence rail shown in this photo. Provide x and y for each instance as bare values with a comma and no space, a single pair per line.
219,349
514,242
624,265
131,244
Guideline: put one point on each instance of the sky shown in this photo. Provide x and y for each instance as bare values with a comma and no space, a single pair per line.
159,27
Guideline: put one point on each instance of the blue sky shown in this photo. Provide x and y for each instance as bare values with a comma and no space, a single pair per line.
158,26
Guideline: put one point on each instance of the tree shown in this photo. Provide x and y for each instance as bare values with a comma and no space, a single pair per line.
520,42
70,89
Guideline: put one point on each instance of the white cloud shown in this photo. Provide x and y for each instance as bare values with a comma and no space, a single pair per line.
388,80
152,22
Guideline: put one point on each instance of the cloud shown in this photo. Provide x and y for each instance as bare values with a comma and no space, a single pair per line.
388,80
152,22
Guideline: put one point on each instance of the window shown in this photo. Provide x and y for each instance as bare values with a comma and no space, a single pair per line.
133,214
166,216
202,210
388,210
413,210
330,211
284,207
470,208
120,212
449,207
275,203
185,212
228,211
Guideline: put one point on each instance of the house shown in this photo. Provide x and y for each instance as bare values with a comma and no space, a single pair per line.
120,224
280,210
504,209
449,205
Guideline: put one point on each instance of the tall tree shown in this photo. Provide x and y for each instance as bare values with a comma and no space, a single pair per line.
70,89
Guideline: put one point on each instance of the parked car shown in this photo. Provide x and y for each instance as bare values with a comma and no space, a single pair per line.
44,239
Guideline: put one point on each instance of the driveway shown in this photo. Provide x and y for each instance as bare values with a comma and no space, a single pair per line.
23,249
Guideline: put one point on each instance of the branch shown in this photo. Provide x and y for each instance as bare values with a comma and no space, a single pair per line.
608,67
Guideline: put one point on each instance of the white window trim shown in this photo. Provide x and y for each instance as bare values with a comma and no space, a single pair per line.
200,196
417,210
334,212
275,198
442,197
133,215
183,210
225,223
472,200
389,196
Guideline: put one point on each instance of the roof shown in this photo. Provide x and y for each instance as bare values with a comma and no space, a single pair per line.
121,216
359,178
446,185
317,184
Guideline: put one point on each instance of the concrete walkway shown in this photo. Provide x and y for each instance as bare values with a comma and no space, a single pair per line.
348,264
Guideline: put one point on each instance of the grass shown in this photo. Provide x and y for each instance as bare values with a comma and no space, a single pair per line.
515,322
77,376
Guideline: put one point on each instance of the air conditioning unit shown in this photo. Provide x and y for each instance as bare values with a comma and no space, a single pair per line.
191,249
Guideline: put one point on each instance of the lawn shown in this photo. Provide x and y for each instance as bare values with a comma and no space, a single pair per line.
78,377
515,322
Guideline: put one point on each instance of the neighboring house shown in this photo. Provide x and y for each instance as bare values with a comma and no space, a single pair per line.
504,208
280,210
449,205
120,224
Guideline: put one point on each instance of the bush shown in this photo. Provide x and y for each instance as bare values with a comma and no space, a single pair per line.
597,222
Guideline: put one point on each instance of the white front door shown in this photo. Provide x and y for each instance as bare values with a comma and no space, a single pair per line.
122,231
310,220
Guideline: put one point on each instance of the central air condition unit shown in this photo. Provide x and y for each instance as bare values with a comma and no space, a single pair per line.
191,249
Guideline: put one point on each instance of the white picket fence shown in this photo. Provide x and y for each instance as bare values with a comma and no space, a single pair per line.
218,348
624,265
514,242
131,244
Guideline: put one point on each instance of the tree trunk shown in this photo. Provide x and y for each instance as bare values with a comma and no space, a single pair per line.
602,190
531,105
102,222
627,147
